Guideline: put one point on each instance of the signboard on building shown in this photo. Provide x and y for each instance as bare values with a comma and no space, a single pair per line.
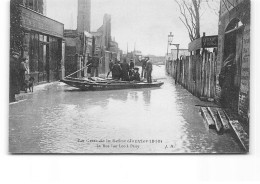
38,22
203,42
209,41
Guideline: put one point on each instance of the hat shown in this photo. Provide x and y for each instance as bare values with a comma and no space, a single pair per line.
136,68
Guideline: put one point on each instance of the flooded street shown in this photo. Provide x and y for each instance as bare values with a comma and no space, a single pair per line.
62,119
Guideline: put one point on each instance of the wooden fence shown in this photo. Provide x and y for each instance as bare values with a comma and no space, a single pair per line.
196,73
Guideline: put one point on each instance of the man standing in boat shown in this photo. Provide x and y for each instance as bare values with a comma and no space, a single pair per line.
144,62
116,71
95,65
149,69
125,70
111,64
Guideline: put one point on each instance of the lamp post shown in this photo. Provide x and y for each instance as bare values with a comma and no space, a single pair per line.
177,46
170,37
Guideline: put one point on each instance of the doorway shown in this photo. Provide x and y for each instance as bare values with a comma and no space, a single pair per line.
233,44
43,75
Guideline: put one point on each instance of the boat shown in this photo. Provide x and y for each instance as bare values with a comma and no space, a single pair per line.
99,84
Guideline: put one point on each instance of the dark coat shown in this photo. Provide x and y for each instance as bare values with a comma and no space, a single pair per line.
136,76
95,61
125,69
132,65
116,70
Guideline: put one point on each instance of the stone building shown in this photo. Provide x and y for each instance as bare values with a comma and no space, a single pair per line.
234,37
42,41
79,42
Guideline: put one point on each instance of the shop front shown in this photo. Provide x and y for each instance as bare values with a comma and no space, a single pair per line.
42,45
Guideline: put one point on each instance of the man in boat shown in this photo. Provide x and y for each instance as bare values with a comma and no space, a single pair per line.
125,69
136,75
149,69
89,68
95,65
111,64
131,69
116,71
144,62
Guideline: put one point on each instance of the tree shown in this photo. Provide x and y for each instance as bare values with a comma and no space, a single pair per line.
191,13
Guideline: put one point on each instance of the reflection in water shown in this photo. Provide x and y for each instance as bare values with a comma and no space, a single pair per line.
64,120
147,96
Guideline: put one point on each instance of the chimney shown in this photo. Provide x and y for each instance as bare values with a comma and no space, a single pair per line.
84,13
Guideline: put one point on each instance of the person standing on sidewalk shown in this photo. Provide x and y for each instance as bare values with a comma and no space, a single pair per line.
14,84
22,70
149,69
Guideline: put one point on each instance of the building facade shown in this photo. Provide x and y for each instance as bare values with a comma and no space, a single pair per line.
79,42
234,38
42,41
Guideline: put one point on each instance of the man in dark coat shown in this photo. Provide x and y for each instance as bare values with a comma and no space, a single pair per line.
131,70
14,76
116,71
111,64
89,64
136,75
125,69
95,65
149,69
144,62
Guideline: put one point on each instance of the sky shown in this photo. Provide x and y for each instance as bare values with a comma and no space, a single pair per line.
143,23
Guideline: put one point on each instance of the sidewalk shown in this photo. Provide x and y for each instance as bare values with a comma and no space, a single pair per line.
36,89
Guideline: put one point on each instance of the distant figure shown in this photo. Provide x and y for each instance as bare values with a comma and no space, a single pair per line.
132,65
136,75
89,64
149,69
111,64
116,71
144,61
95,65
14,76
22,70
125,69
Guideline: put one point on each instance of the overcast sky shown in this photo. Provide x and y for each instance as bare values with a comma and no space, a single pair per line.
144,22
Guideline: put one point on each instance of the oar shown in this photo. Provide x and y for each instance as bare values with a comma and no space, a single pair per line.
77,70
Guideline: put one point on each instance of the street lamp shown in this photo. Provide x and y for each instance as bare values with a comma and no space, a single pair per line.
170,37
177,46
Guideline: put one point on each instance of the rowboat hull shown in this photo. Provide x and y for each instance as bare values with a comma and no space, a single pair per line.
108,85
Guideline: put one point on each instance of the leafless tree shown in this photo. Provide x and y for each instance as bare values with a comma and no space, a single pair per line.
191,14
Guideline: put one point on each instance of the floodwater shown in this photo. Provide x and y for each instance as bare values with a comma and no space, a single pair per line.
62,119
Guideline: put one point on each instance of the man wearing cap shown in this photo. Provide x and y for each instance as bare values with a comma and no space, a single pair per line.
136,75
14,87
149,69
